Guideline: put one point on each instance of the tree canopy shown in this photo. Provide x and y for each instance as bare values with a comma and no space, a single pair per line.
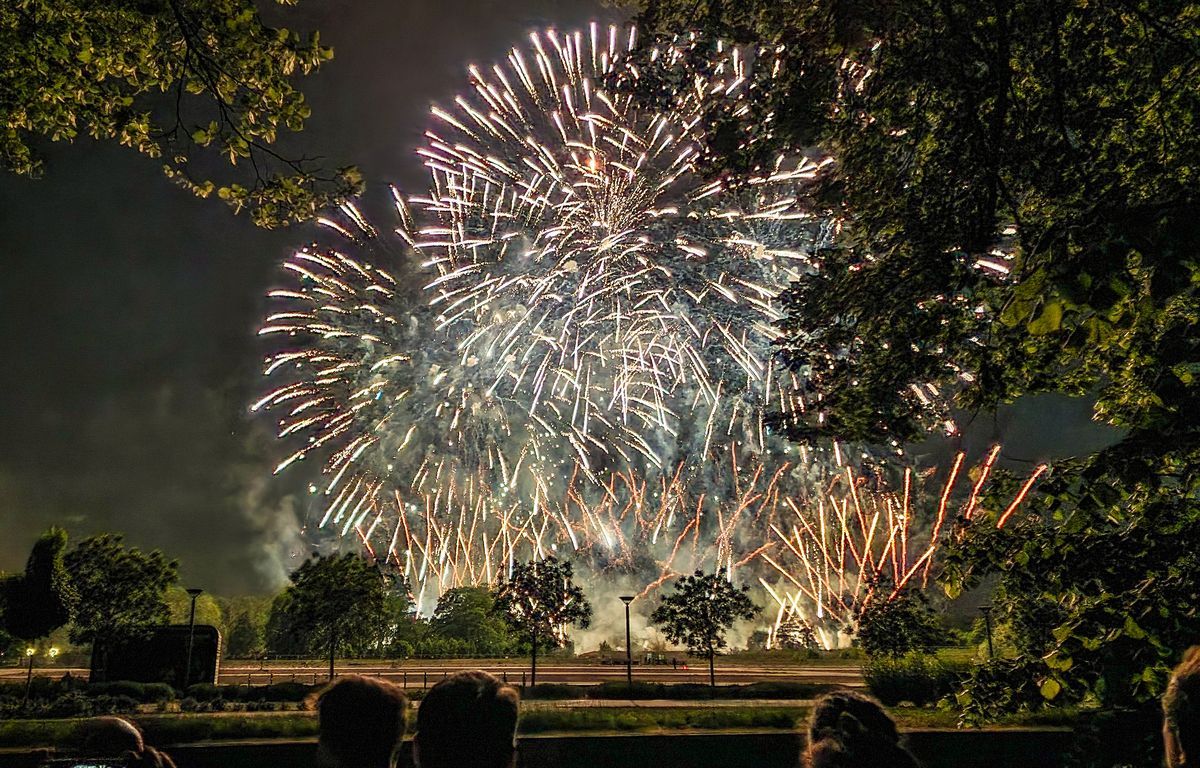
208,610
700,610
192,83
539,600
898,626
469,614
42,599
334,601
245,637
122,591
1016,182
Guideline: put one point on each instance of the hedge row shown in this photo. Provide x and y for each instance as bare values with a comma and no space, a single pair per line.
679,691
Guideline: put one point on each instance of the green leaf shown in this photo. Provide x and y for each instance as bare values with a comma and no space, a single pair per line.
1050,689
1049,321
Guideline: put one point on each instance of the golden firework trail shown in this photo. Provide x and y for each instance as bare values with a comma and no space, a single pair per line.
832,553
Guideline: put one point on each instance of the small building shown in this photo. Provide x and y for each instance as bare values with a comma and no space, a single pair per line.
160,657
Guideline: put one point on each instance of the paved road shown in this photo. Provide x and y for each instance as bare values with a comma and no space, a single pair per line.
419,674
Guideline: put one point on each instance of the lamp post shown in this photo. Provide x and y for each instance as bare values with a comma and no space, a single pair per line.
986,610
187,670
29,652
627,599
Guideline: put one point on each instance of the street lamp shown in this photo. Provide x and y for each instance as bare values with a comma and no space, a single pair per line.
187,670
30,652
627,599
986,610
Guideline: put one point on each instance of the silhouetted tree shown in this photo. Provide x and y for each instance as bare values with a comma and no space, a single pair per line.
122,591
245,637
700,611
41,599
333,602
796,634
539,601
897,626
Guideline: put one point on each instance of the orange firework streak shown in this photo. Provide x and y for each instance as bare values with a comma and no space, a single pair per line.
941,515
984,471
833,575
1021,495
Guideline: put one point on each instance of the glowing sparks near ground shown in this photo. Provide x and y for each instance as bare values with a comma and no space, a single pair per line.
851,547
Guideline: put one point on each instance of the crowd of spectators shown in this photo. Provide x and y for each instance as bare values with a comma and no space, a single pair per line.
469,720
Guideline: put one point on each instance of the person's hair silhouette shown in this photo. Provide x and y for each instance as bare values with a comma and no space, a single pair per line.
850,730
468,720
1181,712
361,723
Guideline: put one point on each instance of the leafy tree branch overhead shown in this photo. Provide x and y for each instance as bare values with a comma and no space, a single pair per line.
1062,135
205,86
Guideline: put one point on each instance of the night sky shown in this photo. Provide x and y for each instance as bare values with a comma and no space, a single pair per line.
128,308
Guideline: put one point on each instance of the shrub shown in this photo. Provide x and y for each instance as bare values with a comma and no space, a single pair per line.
189,704
146,693
643,690
1003,686
776,689
114,705
117,688
917,678
543,720
71,704
557,691
203,691
288,692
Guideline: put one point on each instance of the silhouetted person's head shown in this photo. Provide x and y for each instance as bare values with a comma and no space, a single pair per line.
468,720
850,730
1181,712
110,737
116,737
361,722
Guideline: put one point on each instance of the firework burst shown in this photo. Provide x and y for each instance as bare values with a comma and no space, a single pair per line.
566,344
587,361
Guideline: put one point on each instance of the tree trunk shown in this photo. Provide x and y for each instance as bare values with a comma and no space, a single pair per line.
712,674
533,659
332,648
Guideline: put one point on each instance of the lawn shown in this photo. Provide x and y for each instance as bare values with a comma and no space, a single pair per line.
189,728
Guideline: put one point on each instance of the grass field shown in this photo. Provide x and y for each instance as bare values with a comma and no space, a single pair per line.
539,719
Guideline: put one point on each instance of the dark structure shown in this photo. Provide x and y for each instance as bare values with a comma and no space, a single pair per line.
160,657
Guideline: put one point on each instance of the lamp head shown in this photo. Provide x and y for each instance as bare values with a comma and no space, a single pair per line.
195,592
627,599
30,651
53,652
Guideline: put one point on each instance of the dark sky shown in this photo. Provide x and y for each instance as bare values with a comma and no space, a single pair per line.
128,310
128,307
